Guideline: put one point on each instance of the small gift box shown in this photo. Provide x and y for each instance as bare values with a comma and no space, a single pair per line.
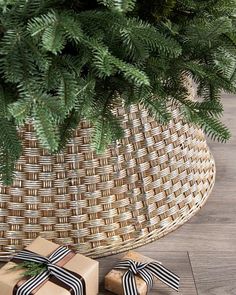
65,272
135,273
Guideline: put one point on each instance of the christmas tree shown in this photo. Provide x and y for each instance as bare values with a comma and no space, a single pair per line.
61,61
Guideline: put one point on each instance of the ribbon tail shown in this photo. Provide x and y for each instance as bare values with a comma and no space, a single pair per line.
164,275
147,277
129,284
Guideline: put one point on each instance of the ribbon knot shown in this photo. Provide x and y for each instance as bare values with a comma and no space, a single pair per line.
147,271
71,280
136,267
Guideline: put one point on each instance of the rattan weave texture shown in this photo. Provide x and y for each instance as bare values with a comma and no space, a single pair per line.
139,190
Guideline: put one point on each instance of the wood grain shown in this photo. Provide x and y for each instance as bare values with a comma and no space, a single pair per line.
195,237
215,272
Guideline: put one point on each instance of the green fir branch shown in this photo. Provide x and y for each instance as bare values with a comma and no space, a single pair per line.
64,61
29,268
46,127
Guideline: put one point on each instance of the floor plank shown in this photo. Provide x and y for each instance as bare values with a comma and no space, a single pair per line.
220,211
197,237
214,272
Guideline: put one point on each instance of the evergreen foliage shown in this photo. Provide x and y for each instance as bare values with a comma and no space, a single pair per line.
29,268
61,61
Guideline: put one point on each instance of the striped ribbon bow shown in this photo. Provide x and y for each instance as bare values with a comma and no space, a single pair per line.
147,271
62,275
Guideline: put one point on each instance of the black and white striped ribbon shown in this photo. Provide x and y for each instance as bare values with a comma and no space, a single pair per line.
147,271
64,276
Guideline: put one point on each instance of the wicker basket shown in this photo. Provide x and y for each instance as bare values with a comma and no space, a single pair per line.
139,190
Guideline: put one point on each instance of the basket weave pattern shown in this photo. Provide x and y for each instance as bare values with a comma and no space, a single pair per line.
140,189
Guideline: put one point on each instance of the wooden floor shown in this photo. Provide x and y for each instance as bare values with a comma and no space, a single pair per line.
203,251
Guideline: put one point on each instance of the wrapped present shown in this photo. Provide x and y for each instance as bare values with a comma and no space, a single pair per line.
135,273
65,272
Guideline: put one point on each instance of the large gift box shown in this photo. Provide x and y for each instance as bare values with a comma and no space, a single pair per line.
68,272
135,274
